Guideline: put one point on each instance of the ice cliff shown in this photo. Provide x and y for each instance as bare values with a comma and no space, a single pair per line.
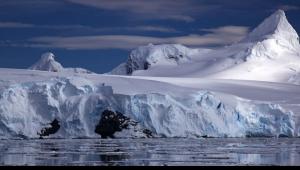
78,104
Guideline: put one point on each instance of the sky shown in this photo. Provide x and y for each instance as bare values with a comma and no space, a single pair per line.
99,34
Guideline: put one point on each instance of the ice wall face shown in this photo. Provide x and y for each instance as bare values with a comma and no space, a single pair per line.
205,115
77,103
29,107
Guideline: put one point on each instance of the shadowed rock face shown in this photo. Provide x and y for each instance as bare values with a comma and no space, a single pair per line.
146,65
110,123
148,133
54,127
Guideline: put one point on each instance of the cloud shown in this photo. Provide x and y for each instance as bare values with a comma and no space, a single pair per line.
87,29
233,31
83,27
27,25
289,7
142,28
29,3
167,9
215,37
15,25
153,28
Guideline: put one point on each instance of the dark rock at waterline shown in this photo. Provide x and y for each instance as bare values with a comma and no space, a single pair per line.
146,65
283,136
110,123
54,127
148,133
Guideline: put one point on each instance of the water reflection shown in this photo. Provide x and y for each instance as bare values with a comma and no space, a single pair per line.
151,152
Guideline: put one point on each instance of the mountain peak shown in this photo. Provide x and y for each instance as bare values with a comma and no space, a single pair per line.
47,63
144,57
48,56
279,13
275,26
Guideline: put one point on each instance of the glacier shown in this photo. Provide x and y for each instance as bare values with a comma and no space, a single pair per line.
28,107
247,89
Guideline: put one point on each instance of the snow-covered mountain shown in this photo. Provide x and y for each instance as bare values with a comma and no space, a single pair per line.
273,44
179,92
145,57
275,27
47,63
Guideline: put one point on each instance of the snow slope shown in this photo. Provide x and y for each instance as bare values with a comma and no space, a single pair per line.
273,44
174,107
47,63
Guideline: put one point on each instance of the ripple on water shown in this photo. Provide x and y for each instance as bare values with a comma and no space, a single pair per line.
230,151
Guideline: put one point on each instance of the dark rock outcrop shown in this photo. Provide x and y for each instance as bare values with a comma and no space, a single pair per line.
110,123
54,127
148,133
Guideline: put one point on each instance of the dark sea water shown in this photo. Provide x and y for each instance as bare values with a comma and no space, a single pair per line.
174,151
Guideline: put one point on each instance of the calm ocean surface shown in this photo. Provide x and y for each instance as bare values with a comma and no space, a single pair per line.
173,151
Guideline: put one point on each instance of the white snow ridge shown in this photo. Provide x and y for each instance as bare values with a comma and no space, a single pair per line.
248,89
